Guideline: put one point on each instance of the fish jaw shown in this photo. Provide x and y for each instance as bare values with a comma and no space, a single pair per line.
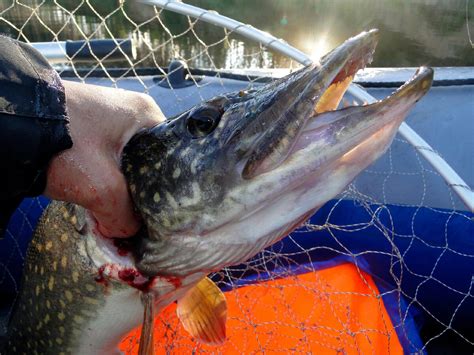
332,150
273,159
292,104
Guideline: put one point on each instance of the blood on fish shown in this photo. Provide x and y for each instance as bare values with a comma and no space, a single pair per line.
100,278
129,275
175,281
123,245
135,279
143,283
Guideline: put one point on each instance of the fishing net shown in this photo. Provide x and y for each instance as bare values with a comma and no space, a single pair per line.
385,267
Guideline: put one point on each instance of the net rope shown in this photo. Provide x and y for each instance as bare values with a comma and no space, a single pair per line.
268,315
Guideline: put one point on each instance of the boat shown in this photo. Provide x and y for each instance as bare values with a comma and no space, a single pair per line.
386,267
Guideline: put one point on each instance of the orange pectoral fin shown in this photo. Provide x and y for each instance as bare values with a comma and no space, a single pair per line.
203,312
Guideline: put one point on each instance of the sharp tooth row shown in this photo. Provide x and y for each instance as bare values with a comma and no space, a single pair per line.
346,103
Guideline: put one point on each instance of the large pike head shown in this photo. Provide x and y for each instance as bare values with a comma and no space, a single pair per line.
220,182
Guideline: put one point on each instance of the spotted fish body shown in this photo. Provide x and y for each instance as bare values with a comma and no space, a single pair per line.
83,311
214,185
68,304
54,281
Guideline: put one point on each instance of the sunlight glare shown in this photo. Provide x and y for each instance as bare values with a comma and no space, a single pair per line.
319,48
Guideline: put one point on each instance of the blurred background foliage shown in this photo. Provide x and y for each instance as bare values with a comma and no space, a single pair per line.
413,33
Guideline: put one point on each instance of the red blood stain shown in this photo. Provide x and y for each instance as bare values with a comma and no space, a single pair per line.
128,275
132,277
136,280
123,246
175,281
100,278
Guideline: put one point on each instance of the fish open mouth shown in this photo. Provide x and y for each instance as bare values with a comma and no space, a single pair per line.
348,118
330,149
304,108
301,96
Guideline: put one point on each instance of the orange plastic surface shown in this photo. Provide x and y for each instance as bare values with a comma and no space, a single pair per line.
335,310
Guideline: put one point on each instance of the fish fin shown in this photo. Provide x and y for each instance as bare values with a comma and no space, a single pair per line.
203,312
146,346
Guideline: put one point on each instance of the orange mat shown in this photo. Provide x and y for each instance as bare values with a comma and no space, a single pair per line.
335,310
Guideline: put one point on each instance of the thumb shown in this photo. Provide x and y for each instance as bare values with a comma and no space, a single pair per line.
95,182
113,207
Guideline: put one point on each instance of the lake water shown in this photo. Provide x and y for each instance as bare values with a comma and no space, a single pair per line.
413,33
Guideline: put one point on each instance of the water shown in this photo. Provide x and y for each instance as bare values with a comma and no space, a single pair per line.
413,33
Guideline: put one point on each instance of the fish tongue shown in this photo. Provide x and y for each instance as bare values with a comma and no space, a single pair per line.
333,95
146,346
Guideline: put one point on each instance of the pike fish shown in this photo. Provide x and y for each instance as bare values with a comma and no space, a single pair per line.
215,185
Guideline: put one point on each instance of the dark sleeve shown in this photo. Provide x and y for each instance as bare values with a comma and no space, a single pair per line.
33,123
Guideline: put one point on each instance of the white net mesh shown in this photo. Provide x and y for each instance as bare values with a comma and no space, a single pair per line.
388,262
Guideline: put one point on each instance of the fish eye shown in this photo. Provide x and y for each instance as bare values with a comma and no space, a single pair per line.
203,121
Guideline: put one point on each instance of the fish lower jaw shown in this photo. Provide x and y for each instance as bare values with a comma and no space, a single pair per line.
226,246
328,125
238,240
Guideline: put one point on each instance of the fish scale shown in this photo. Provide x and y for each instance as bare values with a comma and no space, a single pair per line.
48,313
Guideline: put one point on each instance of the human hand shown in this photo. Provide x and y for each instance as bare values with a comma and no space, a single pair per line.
102,121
